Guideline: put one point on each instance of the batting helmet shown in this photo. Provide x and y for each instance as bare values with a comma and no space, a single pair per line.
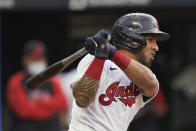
129,30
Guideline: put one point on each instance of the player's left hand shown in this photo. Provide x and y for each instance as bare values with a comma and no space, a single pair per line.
99,45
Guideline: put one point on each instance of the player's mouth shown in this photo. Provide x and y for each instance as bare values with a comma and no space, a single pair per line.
153,55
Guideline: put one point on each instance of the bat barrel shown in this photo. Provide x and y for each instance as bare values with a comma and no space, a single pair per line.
37,80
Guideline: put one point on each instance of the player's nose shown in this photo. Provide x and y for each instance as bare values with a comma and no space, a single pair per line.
155,46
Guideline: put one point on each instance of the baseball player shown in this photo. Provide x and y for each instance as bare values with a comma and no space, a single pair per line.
114,81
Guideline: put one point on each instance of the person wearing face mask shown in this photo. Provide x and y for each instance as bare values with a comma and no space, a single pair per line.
40,109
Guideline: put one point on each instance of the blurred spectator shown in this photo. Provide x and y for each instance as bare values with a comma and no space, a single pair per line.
42,109
149,117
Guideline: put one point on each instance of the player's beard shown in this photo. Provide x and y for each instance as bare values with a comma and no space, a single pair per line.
142,59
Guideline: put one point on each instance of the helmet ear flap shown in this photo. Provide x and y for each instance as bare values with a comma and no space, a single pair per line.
127,38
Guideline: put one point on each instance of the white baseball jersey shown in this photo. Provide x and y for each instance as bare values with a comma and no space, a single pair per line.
116,102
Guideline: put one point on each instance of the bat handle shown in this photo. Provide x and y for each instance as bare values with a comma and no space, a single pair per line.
67,61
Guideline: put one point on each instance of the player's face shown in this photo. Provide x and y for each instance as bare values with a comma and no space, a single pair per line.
147,54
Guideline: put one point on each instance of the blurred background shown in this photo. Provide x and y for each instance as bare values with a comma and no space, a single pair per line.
63,25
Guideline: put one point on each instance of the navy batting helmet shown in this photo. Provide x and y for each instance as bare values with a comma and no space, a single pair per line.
129,30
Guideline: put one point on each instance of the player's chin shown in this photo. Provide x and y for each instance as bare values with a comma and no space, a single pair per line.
149,62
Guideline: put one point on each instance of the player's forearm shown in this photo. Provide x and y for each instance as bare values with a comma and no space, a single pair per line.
138,73
85,89
142,77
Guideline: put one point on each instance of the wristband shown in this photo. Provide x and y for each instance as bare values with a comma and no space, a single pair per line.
95,69
121,60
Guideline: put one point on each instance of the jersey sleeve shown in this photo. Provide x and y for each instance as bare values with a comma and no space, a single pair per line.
82,67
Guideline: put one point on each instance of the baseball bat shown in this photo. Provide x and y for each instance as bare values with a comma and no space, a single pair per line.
39,79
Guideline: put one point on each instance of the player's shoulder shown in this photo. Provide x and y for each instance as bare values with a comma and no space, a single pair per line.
86,59
16,77
89,58
85,62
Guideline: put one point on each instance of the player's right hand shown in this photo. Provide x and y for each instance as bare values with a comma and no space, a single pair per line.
99,46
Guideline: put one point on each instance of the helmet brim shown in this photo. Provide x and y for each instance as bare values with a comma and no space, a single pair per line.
161,36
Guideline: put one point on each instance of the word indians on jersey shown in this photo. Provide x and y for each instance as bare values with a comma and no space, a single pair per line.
124,94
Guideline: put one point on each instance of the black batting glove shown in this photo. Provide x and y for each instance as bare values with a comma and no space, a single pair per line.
99,45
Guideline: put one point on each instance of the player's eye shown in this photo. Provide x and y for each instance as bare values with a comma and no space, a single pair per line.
150,39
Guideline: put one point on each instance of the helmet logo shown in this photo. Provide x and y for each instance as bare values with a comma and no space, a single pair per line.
136,25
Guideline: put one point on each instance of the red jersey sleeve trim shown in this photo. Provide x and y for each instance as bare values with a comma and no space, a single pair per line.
94,71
